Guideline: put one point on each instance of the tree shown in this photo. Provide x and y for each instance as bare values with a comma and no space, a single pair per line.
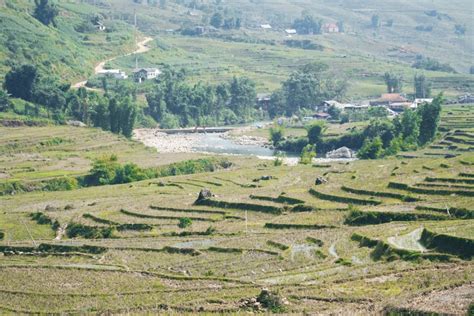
460,29
422,87
114,116
4,101
276,134
242,97
371,149
307,154
45,12
163,4
217,19
128,116
375,21
309,86
471,70
409,126
315,132
378,111
20,82
307,24
334,112
393,82
429,115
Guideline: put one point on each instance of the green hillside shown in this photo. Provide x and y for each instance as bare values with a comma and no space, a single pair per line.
60,51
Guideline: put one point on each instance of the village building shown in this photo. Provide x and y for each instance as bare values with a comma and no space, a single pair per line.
387,99
266,26
263,100
290,32
321,116
142,74
99,26
114,73
330,28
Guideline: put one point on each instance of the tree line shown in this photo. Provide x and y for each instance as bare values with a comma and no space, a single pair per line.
173,102
115,111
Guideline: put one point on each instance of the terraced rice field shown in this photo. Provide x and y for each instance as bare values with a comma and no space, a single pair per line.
385,235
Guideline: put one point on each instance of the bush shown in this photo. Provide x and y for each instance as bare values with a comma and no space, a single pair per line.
276,134
307,154
271,300
89,232
371,149
184,222
61,184
2,235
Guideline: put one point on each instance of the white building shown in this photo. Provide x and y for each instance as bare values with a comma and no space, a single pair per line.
290,31
266,26
115,73
142,74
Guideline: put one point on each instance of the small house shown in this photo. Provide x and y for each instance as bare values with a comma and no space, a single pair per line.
419,102
263,100
266,26
290,31
330,28
99,26
388,98
142,74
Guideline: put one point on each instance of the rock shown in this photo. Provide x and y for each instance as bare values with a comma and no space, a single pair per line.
341,153
204,195
320,180
76,123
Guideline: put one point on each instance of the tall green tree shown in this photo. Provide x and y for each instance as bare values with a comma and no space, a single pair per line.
46,12
422,87
242,97
114,116
20,82
429,119
394,82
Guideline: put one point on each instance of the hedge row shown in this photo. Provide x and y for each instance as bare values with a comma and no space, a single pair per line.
453,211
462,247
184,251
66,248
280,199
383,251
295,226
217,184
360,218
406,187
466,175
179,210
118,226
405,198
303,208
89,232
225,250
240,206
343,199
55,184
439,185
139,215
449,180
209,231
277,245
49,248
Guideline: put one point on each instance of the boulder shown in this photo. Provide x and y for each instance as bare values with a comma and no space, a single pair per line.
320,180
76,123
204,194
341,153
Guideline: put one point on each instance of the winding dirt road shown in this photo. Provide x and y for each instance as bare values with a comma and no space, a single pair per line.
141,48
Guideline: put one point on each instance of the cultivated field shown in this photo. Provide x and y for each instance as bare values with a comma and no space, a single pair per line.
393,234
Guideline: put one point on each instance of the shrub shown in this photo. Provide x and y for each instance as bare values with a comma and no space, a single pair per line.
360,218
2,235
371,149
271,300
276,134
61,184
307,154
89,232
462,247
184,222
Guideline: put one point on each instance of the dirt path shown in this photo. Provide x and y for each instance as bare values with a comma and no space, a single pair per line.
141,48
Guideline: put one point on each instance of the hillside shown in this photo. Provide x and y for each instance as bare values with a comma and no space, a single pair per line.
361,53
61,51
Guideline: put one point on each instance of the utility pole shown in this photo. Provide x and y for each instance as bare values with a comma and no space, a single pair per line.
135,36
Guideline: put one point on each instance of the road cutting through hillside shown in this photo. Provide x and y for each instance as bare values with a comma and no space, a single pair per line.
141,48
